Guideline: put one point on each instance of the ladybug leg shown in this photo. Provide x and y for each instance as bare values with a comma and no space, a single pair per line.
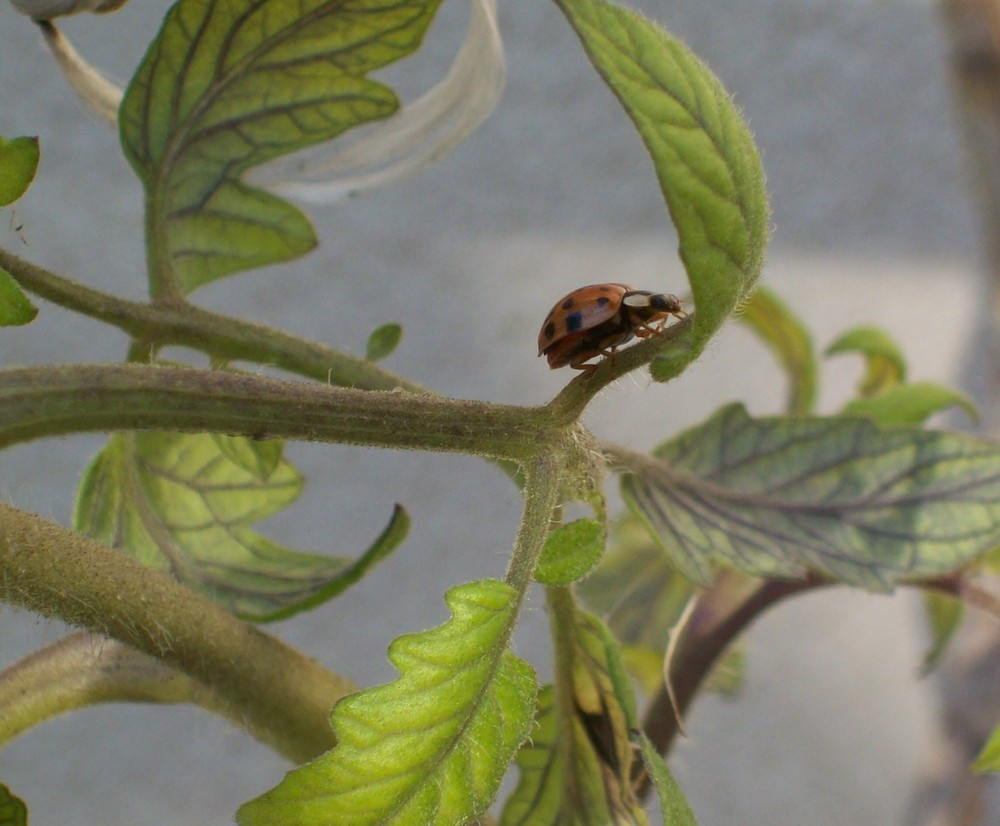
589,369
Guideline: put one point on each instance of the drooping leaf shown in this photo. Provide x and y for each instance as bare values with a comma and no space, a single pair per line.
179,503
383,341
885,365
15,308
673,804
571,551
910,403
839,496
989,758
781,330
430,748
18,163
703,154
944,616
13,811
587,777
229,85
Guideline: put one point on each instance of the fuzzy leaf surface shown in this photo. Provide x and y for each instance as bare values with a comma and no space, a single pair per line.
183,504
571,551
230,84
839,496
583,779
430,748
705,159
676,810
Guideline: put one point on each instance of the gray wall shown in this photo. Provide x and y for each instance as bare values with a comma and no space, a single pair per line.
849,101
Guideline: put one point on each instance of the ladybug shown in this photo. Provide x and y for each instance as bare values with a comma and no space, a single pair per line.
596,320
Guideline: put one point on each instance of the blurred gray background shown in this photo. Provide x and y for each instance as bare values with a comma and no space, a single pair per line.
850,104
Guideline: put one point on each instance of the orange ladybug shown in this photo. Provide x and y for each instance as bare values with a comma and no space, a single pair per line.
596,320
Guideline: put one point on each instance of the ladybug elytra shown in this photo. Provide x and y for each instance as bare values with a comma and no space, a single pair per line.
595,320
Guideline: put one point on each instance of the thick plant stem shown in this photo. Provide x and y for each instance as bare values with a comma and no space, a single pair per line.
282,697
84,669
48,401
541,489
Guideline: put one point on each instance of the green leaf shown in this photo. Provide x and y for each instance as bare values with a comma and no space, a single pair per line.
910,404
705,159
885,365
571,551
432,746
383,341
15,308
229,85
13,812
839,496
675,808
944,616
636,589
585,778
989,758
18,164
259,457
781,330
180,504
641,595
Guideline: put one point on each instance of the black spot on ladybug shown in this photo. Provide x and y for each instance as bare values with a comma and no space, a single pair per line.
568,303
574,321
602,302
549,330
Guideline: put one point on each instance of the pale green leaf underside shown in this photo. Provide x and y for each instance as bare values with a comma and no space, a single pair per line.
181,504
779,496
15,308
230,84
13,812
704,156
430,748
18,163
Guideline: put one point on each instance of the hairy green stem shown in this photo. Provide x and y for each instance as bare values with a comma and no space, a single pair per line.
84,669
282,697
47,401
541,490
569,404
221,337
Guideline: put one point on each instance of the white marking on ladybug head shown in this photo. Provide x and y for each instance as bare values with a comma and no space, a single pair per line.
636,300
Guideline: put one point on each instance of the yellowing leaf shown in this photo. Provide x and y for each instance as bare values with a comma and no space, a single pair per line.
430,748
